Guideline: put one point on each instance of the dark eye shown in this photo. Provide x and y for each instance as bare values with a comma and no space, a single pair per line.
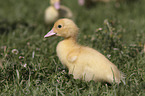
59,26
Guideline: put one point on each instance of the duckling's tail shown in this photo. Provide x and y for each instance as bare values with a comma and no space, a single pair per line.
122,77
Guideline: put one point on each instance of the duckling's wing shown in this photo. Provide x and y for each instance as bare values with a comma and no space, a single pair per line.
73,55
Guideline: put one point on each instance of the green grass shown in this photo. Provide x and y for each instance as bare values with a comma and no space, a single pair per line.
35,69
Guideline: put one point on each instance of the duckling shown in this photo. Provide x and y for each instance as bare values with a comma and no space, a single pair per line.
56,11
65,12
90,2
83,62
82,2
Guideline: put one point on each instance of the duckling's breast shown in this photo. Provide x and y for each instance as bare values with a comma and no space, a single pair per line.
63,49
62,52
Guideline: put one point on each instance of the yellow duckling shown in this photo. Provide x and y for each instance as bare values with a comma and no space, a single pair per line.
56,11
83,62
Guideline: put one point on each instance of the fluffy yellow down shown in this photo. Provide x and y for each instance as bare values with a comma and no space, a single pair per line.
83,62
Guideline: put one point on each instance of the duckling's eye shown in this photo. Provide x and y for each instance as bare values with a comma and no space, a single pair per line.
59,26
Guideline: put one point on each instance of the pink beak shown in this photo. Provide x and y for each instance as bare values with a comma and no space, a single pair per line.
81,2
57,5
50,33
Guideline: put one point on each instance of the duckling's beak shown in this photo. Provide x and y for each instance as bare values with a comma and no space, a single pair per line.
81,2
57,5
50,33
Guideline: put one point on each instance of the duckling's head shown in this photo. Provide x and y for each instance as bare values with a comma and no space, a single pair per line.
65,28
55,3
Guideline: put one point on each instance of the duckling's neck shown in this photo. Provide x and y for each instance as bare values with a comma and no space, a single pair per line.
70,41
74,39
67,44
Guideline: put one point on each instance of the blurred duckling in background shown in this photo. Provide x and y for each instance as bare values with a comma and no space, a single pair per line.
83,62
56,11
89,2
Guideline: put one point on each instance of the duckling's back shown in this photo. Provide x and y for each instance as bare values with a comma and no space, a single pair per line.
97,67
